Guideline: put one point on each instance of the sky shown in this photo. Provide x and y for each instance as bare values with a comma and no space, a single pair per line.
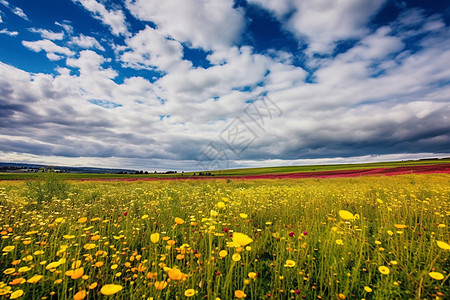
213,84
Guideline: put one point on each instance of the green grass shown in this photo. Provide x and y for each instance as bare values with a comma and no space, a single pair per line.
238,172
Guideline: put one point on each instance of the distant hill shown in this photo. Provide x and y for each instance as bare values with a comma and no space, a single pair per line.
31,168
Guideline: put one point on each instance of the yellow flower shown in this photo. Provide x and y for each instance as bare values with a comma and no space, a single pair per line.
390,232
80,295
441,244
39,252
114,266
82,220
241,239
221,205
58,281
223,253
346,215
175,274
17,281
16,294
154,237
179,221
213,213
53,265
89,246
239,294
59,220
252,275
35,279
24,269
144,217
236,257
159,285
384,270
243,216
289,263
367,289
93,285
99,264
9,271
436,275
400,226
110,289
75,274
8,248
189,292
339,242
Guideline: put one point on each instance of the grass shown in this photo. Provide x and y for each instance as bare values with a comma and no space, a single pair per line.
304,238
237,172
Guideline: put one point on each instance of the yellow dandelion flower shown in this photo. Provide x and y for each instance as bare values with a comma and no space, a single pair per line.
93,285
80,295
99,264
58,281
340,242
436,275
443,245
289,263
239,294
160,285
9,271
35,279
243,216
59,220
220,205
179,221
39,252
367,289
144,217
8,248
252,275
400,226
114,266
24,269
154,237
89,246
16,294
110,289
236,257
346,215
223,253
189,292
53,265
175,274
241,239
384,270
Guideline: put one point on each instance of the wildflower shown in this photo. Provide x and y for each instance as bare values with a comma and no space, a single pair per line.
35,279
17,281
80,295
24,269
441,244
175,274
346,215
241,239
252,275
53,265
16,294
223,253
213,213
339,242
59,220
289,263
236,257
367,289
384,270
239,294
400,226
221,205
291,234
436,275
82,220
159,285
189,292
110,289
243,216
179,221
114,266
93,285
58,281
8,248
144,217
9,271
341,296
305,233
125,214
75,274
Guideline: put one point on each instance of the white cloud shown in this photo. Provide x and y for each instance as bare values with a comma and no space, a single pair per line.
86,42
1,20
149,48
10,33
324,22
208,24
49,47
47,34
67,27
15,10
115,19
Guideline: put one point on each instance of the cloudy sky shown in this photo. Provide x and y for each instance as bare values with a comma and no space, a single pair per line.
199,84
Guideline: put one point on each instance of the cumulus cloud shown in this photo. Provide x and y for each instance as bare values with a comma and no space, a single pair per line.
325,22
150,48
48,34
115,19
207,24
86,42
15,10
53,51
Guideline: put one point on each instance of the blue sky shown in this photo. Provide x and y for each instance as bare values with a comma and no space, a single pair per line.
204,84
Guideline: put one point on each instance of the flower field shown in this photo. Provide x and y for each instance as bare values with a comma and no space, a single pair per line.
340,238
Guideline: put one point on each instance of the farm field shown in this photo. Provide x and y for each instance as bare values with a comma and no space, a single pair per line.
369,237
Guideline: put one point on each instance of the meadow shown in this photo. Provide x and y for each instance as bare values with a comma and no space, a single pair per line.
341,238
